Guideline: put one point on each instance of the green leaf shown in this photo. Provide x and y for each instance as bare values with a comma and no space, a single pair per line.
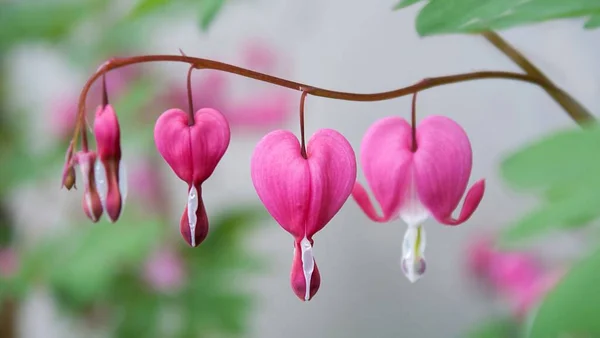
208,12
45,20
571,308
593,22
475,16
562,157
405,3
144,7
497,328
88,261
564,168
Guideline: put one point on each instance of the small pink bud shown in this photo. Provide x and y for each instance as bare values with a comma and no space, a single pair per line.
110,169
192,152
68,176
92,204
303,194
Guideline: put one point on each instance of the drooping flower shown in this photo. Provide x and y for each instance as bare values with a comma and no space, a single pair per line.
92,203
193,151
110,172
303,194
417,181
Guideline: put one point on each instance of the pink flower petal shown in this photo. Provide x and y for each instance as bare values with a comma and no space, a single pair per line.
386,159
442,165
193,152
107,133
333,172
302,194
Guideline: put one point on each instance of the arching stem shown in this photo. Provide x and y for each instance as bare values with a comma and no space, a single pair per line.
315,91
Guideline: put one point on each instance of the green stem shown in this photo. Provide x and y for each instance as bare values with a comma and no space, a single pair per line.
575,109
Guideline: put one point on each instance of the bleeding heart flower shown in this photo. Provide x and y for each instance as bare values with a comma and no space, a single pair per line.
110,172
193,152
92,204
303,194
417,183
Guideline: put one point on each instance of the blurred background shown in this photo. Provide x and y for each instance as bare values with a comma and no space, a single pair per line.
63,276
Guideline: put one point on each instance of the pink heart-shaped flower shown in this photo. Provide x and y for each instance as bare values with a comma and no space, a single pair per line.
193,152
303,194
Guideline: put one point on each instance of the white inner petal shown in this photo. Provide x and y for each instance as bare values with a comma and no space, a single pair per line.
85,170
100,181
308,264
413,212
192,208
122,183
88,202
413,250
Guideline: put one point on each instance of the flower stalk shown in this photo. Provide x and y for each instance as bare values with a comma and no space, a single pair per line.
428,83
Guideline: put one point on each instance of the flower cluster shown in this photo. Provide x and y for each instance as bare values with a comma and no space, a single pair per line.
413,171
102,172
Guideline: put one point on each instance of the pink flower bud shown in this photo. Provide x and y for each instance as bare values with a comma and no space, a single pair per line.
92,205
303,194
192,152
68,176
110,169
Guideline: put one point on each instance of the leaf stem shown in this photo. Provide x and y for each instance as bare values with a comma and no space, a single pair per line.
575,110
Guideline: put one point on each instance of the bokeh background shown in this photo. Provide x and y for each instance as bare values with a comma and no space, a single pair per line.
239,284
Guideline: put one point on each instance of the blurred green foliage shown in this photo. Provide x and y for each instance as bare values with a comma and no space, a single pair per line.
497,328
102,264
476,16
571,308
563,168
99,268
207,9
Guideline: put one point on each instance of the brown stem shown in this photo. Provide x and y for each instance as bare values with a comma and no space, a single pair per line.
575,109
190,97
302,138
413,121
104,92
315,91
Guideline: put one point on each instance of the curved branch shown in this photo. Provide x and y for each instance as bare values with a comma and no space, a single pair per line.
575,109
314,91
